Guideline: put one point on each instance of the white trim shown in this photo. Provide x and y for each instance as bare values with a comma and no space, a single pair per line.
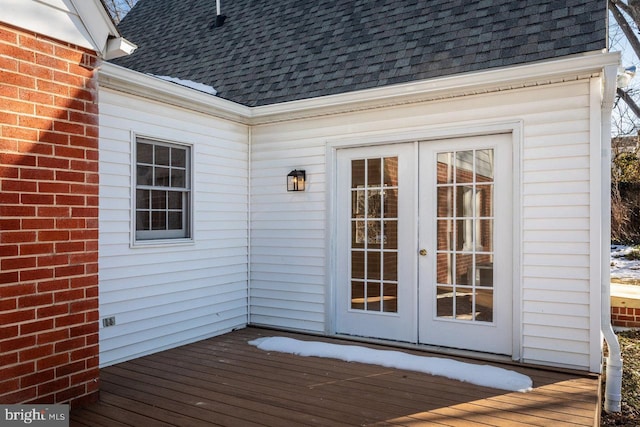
539,73
135,243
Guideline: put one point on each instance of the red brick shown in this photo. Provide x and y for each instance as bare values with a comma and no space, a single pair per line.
84,212
23,395
38,378
36,97
18,185
35,148
8,250
84,353
91,107
36,44
51,112
37,326
7,304
37,223
34,353
53,336
11,277
17,370
71,368
37,199
83,377
17,79
83,141
84,281
53,285
7,332
72,270
53,386
10,385
70,344
70,176
17,290
66,127
36,71
16,159
70,200
53,235
53,88
36,249
91,292
91,268
85,118
17,344
35,300
19,133
39,174
87,257
54,187
7,63
11,92
53,260
91,316
17,316
9,199
77,397
71,55
16,106
70,223
8,119
34,122
21,211
93,339
66,247
84,165
8,36
57,359
54,211
7,359
69,295
53,163
37,274
71,319
17,263
17,236
84,305
68,103
53,310
70,79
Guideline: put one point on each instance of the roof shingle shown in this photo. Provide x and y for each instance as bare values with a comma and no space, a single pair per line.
282,50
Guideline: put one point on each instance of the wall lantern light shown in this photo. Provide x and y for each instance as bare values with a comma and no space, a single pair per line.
295,180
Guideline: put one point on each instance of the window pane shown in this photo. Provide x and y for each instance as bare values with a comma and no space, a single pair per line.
445,201
484,305
175,221
464,201
390,266
158,220
464,166
144,153
444,301
445,168
178,157
390,203
484,235
464,269
158,199
445,235
357,295
374,172
144,175
178,178
464,304
374,207
142,220
390,298
373,296
391,172
374,234
175,200
162,155
358,203
162,177
142,199
484,200
391,234
373,265
484,270
444,270
357,265
484,165
357,174
357,234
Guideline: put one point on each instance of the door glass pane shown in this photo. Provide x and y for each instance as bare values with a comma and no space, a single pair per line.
465,228
374,234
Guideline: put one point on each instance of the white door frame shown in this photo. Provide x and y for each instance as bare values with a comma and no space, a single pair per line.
463,129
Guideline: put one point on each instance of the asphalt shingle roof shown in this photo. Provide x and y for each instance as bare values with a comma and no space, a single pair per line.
282,50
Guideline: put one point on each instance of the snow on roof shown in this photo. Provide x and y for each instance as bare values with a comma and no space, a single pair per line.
188,83
482,375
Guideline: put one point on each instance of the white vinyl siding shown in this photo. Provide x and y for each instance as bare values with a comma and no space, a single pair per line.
290,271
163,296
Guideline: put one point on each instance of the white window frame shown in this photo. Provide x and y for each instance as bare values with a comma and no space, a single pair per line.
163,237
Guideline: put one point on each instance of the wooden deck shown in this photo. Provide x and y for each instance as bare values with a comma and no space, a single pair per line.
225,381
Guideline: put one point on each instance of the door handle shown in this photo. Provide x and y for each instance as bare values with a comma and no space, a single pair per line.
423,252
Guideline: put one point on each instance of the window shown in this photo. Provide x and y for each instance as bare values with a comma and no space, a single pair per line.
163,190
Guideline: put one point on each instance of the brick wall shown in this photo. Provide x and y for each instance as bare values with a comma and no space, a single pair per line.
626,317
48,221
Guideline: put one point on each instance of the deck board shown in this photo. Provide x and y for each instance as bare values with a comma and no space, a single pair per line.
225,381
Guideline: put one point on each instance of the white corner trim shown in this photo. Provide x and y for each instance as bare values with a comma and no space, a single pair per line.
546,72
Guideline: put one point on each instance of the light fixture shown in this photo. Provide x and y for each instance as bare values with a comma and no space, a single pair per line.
295,180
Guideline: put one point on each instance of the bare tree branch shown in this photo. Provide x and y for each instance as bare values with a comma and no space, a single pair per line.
629,101
624,26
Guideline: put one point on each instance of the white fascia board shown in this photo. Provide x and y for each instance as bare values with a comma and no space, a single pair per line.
146,86
559,70
532,74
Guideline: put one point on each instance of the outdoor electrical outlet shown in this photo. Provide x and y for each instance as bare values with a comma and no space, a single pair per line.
109,321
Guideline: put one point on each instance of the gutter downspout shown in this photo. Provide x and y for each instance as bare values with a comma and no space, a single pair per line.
613,384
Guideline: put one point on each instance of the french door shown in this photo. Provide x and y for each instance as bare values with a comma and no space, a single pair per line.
424,243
